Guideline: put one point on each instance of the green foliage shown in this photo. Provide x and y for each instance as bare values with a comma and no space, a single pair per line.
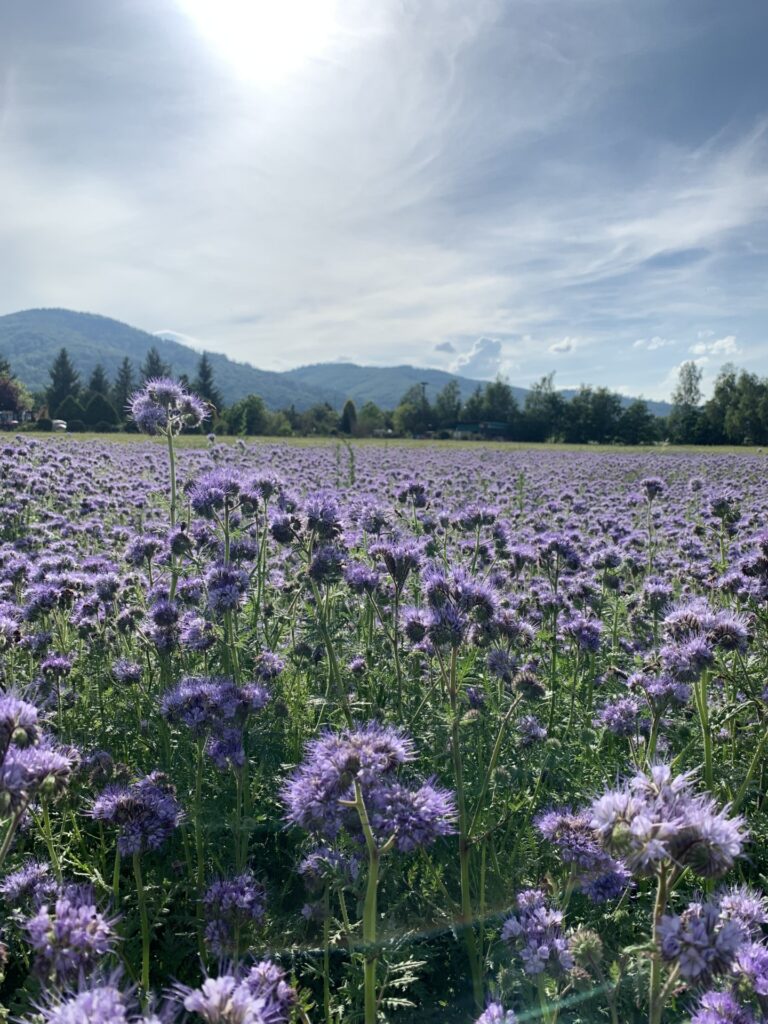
99,409
204,384
154,365
348,420
124,386
69,409
65,382
98,382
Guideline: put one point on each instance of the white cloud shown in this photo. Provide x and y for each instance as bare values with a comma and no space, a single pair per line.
652,344
484,359
721,347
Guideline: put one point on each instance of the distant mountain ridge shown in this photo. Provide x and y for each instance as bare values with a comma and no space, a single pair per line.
30,339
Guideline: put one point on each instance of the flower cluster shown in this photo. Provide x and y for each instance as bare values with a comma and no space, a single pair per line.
217,708
145,813
231,905
70,936
164,405
536,935
657,818
258,996
597,874
30,765
319,794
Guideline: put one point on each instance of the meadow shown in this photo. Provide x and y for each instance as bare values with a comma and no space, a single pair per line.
380,731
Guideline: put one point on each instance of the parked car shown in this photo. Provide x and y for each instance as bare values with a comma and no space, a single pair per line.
59,424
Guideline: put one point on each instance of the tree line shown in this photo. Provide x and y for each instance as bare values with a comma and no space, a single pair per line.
736,414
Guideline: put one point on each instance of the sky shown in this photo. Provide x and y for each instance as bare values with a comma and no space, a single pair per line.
484,186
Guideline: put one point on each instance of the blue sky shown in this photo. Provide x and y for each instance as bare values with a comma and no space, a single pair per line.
484,186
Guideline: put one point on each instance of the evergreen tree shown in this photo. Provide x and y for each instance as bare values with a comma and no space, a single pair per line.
204,384
98,384
99,410
70,410
5,367
154,366
65,382
124,386
348,421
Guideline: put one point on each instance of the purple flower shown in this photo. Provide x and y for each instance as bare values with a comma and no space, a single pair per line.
145,813
597,874
653,487
700,941
32,771
214,490
262,996
400,559
163,404
530,730
226,587
230,905
536,935
30,885
324,864
101,1003
721,1008
657,818
752,964
318,791
323,516
125,671
622,717
71,937
18,722
495,1013
746,906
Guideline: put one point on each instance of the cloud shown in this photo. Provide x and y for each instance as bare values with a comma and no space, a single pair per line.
564,345
721,347
652,344
402,188
484,359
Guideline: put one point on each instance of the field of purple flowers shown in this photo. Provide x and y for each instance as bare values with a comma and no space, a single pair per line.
378,733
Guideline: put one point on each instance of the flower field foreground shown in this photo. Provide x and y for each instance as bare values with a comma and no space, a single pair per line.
326,734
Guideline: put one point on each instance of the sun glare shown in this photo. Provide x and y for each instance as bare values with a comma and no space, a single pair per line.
264,40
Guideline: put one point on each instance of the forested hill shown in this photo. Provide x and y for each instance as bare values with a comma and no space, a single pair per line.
30,339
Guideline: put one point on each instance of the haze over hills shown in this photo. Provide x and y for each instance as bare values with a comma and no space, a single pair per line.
30,339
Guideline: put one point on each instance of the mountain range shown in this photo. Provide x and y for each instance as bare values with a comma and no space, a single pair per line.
30,340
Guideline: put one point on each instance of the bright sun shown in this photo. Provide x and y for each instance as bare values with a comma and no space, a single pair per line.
264,40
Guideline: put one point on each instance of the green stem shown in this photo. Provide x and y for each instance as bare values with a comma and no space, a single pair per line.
465,918
144,922
655,992
327,953
700,690
13,824
756,760
370,910
48,834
